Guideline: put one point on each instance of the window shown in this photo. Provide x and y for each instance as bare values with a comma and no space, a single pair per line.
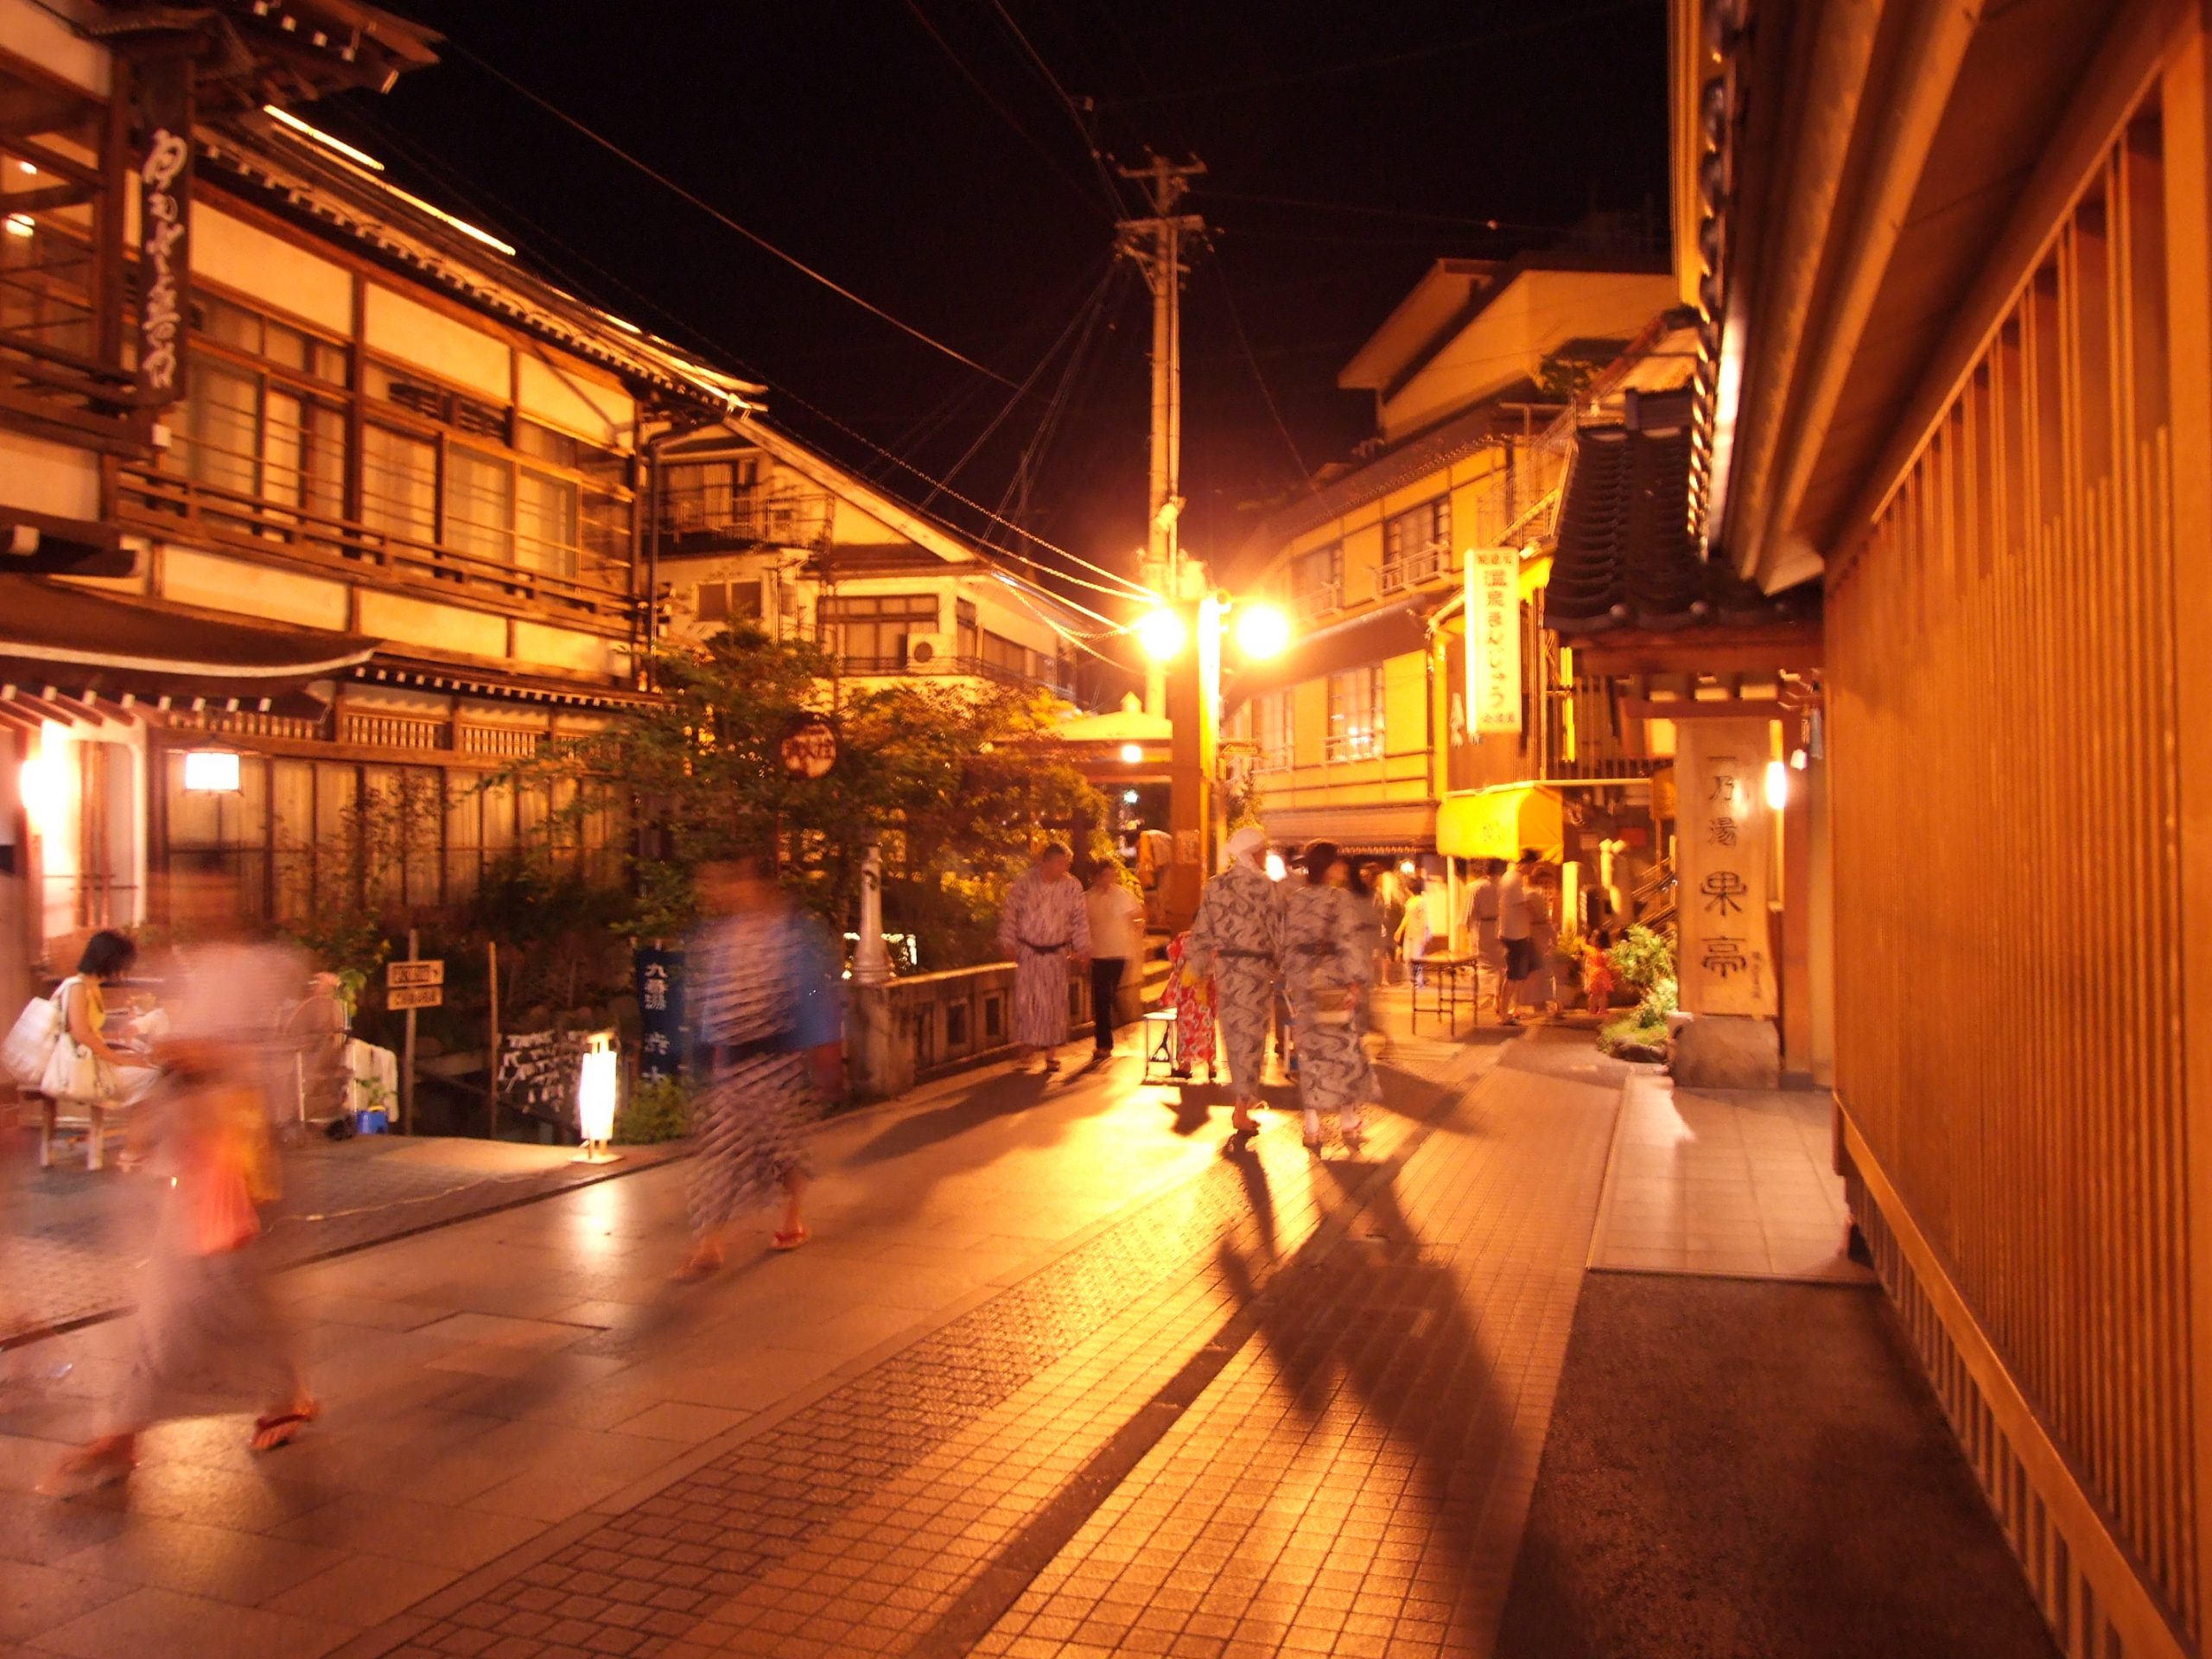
970,645
1272,729
1005,654
870,631
479,504
1323,567
399,483
547,531
1356,715
1410,537
730,601
280,343
708,495
234,826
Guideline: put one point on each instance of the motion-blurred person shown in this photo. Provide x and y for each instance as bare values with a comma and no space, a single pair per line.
1236,937
1116,917
762,980
1043,925
1189,995
207,1326
1328,966
1513,924
316,1028
1539,988
1388,894
1413,932
1483,936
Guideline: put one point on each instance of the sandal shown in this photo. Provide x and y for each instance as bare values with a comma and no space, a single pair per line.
86,1471
790,1241
281,1429
1241,1121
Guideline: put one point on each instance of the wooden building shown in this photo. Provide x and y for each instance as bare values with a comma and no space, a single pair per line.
1954,269
316,505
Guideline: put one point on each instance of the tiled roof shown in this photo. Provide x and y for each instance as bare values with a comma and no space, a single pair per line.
1624,557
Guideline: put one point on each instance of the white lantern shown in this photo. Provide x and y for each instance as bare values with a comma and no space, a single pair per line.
211,771
597,1085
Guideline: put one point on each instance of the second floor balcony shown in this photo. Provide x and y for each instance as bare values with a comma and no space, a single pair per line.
1424,565
1046,678
1325,600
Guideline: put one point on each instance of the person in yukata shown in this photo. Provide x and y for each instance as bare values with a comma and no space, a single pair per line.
1044,927
1236,937
763,988
1328,965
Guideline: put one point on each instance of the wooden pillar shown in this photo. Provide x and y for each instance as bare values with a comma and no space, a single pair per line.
1797,827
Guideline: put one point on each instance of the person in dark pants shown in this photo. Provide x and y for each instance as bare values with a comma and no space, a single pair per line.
1117,940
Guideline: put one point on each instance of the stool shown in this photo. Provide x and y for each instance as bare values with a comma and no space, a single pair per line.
97,1120
1159,1045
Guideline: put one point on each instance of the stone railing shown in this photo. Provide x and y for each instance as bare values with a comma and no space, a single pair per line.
911,1030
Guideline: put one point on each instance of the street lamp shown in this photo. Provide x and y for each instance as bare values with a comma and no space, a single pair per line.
1162,633
1262,631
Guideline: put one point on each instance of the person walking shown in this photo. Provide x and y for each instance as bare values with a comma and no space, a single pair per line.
1116,917
1413,931
1388,894
1189,995
761,984
1043,925
1236,937
1483,935
1328,966
1513,926
1540,989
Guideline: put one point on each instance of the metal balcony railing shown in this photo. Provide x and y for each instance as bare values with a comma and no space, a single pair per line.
1425,565
1320,602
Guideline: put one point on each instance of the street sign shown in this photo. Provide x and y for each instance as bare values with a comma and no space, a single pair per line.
410,975
414,997
809,746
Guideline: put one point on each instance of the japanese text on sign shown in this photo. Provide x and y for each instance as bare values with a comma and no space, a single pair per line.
414,997
1493,609
402,974
1723,844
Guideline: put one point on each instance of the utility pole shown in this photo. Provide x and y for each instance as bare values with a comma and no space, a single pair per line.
1190,699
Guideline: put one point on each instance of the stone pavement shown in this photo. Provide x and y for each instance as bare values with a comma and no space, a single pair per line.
73,1235
1065,1372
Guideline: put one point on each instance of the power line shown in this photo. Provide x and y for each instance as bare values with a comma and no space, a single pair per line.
1236,320
1006,115
717,214
1075,113
1381,210
1387,61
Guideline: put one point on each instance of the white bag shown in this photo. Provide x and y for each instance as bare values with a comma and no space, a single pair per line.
30,1044
72,1071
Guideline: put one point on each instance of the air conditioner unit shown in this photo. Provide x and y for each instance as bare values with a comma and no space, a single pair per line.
927,651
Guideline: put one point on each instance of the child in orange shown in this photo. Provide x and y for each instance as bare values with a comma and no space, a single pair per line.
1598,971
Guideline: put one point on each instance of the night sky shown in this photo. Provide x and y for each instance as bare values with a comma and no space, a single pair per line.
1348,147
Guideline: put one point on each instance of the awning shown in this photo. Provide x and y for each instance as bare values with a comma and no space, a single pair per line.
1391,632
1498,822
1390,827
95,648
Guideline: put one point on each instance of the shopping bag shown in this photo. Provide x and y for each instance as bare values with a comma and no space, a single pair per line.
30,1043
73,1072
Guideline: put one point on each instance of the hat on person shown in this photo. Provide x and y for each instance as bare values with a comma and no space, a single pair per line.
1246,842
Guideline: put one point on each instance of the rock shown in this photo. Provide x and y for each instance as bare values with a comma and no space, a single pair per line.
1726,1051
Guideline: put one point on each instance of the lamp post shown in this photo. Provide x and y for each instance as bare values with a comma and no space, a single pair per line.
1193,698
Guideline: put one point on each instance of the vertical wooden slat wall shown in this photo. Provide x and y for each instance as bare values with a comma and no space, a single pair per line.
2008,986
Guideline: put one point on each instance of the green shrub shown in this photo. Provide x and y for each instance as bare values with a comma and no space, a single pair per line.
658,1109
1644,958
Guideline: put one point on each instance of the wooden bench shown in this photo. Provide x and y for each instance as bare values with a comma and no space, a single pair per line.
97,1122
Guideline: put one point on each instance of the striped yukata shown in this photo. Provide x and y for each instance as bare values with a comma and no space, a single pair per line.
1044,921
762,999
1237,937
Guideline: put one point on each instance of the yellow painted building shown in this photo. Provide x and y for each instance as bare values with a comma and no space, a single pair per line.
1362,730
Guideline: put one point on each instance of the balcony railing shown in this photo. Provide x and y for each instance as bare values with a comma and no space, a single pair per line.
170,505
938,667
1426,565
1320,602
744,515
1362,746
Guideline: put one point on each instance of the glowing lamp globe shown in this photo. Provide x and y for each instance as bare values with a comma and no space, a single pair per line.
1161,633
211,771
596,1086
1261,631
1132,753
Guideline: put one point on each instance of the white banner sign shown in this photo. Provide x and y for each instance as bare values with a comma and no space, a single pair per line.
1723,847
1494,639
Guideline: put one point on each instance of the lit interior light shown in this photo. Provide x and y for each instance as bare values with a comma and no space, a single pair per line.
316,134
1796,759
595,1092
44,781
1777,786
1262,631
1132,753
27,169
211,771
20,224
1129,798
1276,868
1162,633
1405,866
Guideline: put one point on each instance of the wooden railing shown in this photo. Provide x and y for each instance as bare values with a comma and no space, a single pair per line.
168,505
1416,568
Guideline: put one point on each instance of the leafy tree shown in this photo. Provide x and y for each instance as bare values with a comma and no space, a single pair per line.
955,785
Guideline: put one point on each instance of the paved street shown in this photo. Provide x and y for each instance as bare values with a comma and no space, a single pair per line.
1063,1374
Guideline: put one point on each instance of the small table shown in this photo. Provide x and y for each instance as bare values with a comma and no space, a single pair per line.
1160,1049
1448,983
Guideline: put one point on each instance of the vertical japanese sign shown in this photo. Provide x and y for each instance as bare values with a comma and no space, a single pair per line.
1724,834
660,1012
1494,639
164,98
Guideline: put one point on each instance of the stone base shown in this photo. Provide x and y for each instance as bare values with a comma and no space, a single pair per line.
1717,1051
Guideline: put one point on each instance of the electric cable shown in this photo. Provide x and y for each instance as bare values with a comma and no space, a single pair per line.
1075,113
717,214
1006,115
1260,380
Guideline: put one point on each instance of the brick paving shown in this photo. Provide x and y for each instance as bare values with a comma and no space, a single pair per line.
1288,1400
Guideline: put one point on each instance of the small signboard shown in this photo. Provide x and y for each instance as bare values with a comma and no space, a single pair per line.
809,746
408,975
414,997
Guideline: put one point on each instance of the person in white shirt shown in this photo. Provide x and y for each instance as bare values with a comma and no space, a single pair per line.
1513,929
1117,940
1481,918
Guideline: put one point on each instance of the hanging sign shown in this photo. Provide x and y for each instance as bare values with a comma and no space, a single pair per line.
1493,604
536,1073
163,89
415,984
809,746
660,1011
1724,834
